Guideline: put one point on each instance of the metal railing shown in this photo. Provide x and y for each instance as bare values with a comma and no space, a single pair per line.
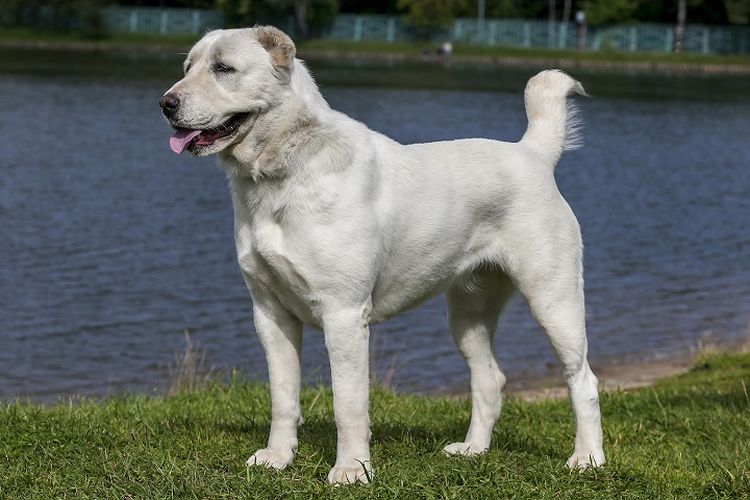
642,37
163,21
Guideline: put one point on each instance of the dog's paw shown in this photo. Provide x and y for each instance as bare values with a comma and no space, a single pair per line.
272,458
465,449
585,461
358,472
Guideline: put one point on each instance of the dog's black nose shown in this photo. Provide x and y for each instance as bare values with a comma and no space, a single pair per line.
169,103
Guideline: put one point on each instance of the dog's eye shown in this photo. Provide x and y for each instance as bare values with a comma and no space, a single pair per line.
223,68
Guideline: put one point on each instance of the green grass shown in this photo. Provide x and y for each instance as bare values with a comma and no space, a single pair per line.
687,437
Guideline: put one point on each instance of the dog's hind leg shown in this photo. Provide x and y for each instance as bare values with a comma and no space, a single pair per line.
472,312
548,272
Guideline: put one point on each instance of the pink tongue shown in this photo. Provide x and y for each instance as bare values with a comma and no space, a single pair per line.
181,138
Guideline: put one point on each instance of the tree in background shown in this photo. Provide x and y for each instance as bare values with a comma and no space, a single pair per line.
613,11
517,9
698,11
192,4
235,11
609,11
312,13
67,16
738,11
427,15
370,6
309,15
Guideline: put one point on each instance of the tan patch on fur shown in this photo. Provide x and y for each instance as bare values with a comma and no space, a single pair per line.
278,44
282,148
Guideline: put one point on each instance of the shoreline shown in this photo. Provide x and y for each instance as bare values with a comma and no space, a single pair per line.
533,62
616,376
517,59
622,374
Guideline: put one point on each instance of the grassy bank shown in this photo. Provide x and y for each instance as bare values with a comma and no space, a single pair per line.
406,51
687,437
31,38
614,62
465,50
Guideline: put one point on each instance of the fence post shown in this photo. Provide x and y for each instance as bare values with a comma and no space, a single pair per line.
633,46
290,27
562,42
195,24
133,21
163,22
358,28
391,29
596,42
526,34
457,30
706,45
669,40
493,33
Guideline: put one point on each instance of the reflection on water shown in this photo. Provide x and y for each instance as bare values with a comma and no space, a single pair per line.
112,246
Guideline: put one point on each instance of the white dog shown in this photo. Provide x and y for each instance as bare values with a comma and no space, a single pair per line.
340,227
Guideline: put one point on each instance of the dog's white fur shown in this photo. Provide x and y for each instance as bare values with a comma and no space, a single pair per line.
339,227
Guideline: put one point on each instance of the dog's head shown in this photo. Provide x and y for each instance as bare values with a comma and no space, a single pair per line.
231,76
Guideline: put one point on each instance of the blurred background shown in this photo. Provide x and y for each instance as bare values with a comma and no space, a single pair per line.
112,247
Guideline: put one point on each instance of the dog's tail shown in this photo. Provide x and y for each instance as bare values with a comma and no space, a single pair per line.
554,126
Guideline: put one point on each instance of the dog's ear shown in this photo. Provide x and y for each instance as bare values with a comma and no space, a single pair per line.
278,44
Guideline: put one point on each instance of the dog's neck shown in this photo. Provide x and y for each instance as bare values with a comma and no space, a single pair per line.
278,137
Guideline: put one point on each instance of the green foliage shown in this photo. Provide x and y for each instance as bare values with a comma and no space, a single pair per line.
513,9
190,4
519,9
309,15
609,11
738,11
369,6
429,13
698,11
684,438
315,15
79,16
236,12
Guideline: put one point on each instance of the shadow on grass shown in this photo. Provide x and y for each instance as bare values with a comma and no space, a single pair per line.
398,439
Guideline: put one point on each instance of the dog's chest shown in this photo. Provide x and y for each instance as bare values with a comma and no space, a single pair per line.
268,260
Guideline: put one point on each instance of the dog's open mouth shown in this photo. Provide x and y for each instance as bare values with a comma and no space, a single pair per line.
184,138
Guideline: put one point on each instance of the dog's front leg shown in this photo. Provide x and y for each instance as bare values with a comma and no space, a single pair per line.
280,333
346,337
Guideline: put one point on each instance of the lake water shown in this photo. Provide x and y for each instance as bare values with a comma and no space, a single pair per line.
111,246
